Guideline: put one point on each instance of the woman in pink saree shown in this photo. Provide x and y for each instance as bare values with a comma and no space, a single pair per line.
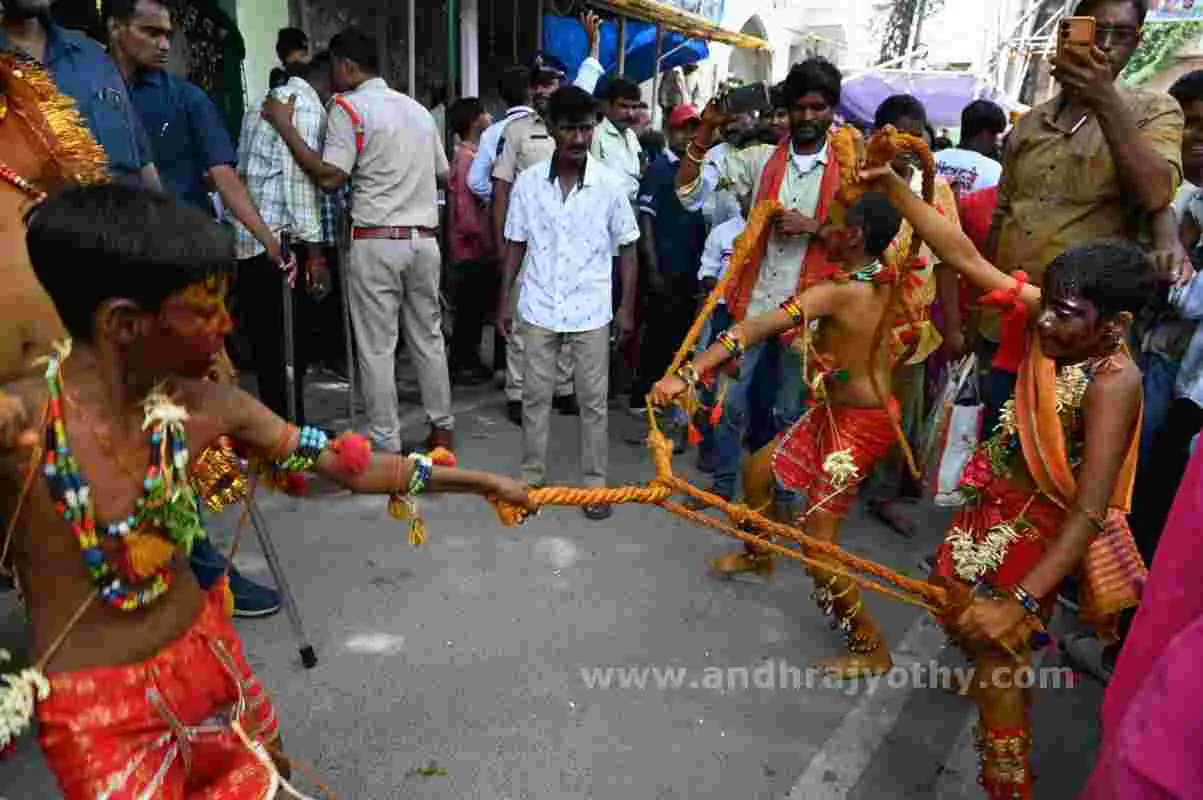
1153,711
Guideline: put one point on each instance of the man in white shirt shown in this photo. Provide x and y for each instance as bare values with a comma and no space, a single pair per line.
614,143
976,164
567,217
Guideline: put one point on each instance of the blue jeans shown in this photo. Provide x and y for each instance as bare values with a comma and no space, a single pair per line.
781,378
1159,374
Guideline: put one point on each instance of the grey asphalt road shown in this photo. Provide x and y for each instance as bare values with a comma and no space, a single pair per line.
470,668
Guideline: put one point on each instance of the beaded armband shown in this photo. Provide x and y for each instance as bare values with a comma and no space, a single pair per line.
1029,603
285,469
403,503
794,310
732,344
311,443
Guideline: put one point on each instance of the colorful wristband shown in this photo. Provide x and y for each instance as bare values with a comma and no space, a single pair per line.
1029,603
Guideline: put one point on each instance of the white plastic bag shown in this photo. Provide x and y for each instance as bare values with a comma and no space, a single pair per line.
952,432
960,435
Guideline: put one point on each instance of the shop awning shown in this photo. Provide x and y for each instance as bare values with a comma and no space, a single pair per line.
674,19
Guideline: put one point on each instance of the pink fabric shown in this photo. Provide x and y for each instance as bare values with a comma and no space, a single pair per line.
471,233
1152,725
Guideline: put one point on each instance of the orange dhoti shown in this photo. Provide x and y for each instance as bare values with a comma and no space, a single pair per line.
162,728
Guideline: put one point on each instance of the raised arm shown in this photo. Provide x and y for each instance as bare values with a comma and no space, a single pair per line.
950,244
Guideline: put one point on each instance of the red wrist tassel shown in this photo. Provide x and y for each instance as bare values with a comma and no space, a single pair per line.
1013,347
295,484
442,457
354,453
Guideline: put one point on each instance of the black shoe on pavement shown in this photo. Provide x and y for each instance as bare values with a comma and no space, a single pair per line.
598,513
567,405
513,412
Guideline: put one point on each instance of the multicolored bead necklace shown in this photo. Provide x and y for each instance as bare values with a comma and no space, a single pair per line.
10,175
165,517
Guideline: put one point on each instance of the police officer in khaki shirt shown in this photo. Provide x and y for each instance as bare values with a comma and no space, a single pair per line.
389,146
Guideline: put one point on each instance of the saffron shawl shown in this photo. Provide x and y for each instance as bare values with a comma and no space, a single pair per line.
739,295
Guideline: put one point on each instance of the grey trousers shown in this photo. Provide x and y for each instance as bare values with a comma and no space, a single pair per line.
394,286
515,367
590,353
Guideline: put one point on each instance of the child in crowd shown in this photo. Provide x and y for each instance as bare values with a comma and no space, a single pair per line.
835,445
149,691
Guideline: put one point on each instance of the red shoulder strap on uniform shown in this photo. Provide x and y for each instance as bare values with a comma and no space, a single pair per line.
356,120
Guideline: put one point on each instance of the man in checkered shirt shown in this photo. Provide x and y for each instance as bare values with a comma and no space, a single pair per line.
288,200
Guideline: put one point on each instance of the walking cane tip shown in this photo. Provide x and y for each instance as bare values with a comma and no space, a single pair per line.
308,657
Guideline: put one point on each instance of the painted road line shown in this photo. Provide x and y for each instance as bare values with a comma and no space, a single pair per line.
838,766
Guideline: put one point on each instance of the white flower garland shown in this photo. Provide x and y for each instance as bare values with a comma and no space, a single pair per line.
841,468
21,692
974,559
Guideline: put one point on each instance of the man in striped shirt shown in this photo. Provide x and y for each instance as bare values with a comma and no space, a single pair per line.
288,200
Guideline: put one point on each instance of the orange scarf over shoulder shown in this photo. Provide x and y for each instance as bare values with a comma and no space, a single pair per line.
1043,439
814,265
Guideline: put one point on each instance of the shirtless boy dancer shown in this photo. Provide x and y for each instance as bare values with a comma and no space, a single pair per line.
849,424
1057,471
140,681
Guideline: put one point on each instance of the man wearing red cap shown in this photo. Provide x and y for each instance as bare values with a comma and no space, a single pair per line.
671,240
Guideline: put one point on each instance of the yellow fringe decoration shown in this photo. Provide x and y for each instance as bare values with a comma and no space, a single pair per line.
76,153
146,554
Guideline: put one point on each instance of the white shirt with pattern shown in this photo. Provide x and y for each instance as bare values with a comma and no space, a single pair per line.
283,193
567,276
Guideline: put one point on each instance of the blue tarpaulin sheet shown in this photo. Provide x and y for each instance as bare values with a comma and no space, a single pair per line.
564,39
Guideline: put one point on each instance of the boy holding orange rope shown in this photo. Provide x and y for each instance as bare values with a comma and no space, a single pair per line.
836,445
1049,489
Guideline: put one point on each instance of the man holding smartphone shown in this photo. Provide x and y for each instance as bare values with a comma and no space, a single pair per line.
1095,162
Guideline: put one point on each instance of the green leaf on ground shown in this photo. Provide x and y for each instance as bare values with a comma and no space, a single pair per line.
431,770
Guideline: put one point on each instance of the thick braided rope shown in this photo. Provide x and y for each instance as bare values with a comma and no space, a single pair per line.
713,523
666,484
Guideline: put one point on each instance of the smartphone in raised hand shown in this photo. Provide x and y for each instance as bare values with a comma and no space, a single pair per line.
1075,33
747,99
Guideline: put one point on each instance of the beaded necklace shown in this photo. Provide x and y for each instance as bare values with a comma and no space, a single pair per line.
164,518
10,175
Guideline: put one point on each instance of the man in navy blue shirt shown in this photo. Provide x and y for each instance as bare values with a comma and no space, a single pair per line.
191,144
671,243
187,133
83,71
